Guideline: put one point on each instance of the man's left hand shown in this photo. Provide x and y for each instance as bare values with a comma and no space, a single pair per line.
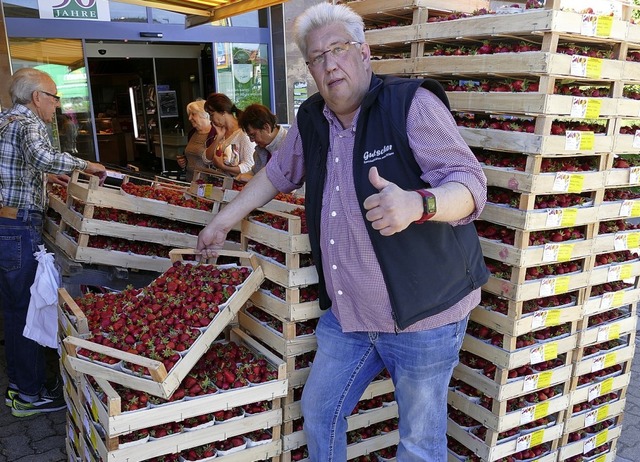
392,209
62,180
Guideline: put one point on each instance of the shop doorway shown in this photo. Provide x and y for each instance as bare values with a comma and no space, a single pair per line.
139,93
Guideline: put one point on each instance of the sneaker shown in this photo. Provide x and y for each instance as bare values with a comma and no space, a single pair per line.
9,395
21,408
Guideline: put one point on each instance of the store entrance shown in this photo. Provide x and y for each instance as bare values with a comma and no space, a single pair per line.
139,94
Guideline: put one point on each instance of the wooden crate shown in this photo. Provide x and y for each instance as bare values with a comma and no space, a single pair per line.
625,324
625,144
537,288
491,452
586,445
603,359
614,272
291,241
161,383
544,183
525,256
290,309
536,220
291,274
607,301
588,418
532,354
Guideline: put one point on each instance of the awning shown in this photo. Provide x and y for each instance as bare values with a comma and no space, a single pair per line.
204,11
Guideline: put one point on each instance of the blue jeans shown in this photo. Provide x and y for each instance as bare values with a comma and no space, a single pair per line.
420,365
19,239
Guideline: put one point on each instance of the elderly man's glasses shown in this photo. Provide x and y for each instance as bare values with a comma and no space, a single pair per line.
337,51
56,97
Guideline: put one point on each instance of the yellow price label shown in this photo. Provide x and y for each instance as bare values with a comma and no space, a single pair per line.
541,410
618,298
550,351
544,379
594,68
587,140
603,413
604,25
625,271
562,285
602,458
610,359
569,216
94,411
633,240
553,318
614,331
593,108
576,183
635,208
565,251
606,386
537,438
602,437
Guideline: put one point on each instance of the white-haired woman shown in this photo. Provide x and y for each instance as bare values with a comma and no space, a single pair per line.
200,138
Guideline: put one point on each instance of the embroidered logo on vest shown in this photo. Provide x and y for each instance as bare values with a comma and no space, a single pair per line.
378,154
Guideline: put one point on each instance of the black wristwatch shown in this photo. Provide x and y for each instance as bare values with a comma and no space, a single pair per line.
429,204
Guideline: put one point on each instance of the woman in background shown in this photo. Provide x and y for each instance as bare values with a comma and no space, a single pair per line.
233,150
201,136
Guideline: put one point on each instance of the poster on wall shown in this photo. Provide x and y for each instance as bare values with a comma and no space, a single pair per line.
86,10
168,104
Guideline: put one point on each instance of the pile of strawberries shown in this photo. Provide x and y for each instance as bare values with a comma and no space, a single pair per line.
165,194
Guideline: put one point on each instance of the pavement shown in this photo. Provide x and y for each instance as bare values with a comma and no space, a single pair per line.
41,438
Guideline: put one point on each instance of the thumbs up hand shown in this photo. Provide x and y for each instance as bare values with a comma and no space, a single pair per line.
392,209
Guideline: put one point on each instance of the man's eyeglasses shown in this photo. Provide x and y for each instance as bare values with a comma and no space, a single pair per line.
337,51
56,97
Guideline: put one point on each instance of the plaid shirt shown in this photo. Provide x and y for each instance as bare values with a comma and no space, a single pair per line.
26,154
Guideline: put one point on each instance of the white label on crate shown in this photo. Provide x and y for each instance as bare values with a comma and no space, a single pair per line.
589,445
579,65
603,334
572,140
594,392
589,23
539,319
625,208
554,218
547,287
523,442
620,241
607,300
579,107
527,415
590,418
87,392
561,182
598,364
614,273
530,382
550,252
636,140
536,355
634,175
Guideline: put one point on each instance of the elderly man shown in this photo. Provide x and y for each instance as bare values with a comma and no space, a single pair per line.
26,155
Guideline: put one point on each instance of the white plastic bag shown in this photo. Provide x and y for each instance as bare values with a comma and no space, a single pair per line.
42,316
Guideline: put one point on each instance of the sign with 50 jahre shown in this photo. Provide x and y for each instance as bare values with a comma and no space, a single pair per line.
97,10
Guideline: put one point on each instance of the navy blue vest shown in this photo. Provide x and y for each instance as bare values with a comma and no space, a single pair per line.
427,268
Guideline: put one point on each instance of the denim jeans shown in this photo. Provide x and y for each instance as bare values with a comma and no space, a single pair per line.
420,365
19,239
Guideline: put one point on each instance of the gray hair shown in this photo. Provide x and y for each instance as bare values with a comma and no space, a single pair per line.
197,107
24,82
324,14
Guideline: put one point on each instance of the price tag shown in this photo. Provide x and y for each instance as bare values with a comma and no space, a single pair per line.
613,274
633,240
576,183
603,334
527,415
589,25
634,175
587,141
602,458
593,108
562,284
553,318
620,241
636,140
635,208
544,379
536,355
594,68
606,301
550,252
603,413
204,190
572,140
569,217
565,252
547,287
539,319
610,359
606,386
529,440
561,182
597,364
625,208
604,25
578,66
626,271
542,409
550,351
614,332
554,218
618,298
579,107
602,437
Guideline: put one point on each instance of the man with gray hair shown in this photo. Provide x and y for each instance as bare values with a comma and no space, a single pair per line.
26,155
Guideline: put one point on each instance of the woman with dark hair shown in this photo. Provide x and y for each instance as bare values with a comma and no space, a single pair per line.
232,152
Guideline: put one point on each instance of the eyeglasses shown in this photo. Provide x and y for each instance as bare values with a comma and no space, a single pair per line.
337,51
56,97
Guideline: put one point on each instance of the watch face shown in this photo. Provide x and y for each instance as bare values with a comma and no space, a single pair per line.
430,204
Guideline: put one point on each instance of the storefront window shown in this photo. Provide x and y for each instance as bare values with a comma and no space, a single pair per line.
20,8
167,17
63,60
243,73
125,12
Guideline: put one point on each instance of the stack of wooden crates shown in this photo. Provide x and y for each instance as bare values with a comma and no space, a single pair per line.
544,97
